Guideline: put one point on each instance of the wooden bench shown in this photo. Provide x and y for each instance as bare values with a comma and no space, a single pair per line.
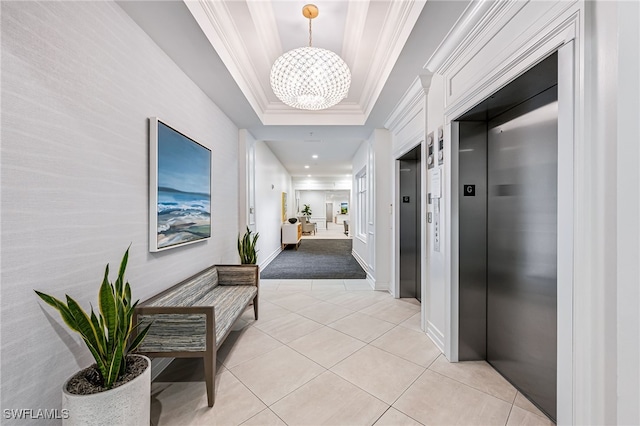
193,318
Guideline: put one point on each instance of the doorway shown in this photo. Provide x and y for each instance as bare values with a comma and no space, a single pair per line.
508,218
410,226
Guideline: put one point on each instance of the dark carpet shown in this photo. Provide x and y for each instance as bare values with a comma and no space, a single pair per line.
315,259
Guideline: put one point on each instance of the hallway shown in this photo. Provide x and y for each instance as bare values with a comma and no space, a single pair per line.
335,352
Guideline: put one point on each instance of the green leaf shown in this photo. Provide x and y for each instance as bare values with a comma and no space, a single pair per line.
138,340
84,323
107,304
114,367
99,330
62,308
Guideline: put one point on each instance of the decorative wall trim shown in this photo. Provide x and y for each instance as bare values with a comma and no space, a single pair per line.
270,258
362,263
435,335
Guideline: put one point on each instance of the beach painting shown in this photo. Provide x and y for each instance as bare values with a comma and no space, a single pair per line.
180,191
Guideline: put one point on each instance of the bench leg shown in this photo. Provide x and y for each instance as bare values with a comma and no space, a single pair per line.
210,376
255,307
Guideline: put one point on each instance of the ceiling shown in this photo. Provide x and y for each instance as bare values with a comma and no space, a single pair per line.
227,48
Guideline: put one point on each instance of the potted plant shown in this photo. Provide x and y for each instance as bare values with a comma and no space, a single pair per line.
117,388
307,211
247,247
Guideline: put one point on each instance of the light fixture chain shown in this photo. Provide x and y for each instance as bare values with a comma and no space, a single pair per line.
310,39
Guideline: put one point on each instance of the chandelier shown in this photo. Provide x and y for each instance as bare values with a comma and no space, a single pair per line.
310,77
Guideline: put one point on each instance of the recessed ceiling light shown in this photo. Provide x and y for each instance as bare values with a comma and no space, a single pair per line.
306,166
314,156
308,175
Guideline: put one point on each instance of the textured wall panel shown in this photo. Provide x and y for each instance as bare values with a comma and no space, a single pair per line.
79,80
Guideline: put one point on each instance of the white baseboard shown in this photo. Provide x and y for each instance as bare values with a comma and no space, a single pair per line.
435,335
270,258
361,261
158,365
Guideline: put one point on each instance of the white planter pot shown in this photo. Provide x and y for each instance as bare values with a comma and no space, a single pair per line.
129,404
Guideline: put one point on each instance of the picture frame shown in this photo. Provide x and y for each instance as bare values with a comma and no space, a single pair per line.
344,208
284,207
179,188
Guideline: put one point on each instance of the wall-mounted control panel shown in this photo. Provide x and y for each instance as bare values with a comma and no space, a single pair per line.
430,151
440,145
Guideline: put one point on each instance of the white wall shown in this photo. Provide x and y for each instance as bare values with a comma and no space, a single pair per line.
374,251
360,247
614,90
79,81
628,212
437,319
316,201
271,180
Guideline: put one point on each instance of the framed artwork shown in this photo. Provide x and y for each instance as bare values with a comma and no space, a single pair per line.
344,208
179,188
284,207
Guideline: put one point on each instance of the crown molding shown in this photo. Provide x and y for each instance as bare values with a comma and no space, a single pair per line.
355,25
219,23
264,19
279,114
479,15
412,101
395,30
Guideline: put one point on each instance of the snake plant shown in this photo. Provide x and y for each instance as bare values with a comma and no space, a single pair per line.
247,247
107,334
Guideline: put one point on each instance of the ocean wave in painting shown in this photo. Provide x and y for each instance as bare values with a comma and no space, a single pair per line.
182,217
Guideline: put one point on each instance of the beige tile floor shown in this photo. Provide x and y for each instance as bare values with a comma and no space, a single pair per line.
335,352
332,231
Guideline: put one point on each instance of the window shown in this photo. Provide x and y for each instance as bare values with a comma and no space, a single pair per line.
361,203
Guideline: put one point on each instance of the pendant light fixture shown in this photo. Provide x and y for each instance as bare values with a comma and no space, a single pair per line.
310,78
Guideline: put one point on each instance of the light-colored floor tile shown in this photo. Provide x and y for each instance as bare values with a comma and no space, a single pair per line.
245,345
326,346
266,312
329,400
185,403
268,294
478,375
522,402
318,284
288,327
438,400
411,345
295,285
358,285
269,284
325,313
264,418
327,287
276,373
394,417
413,323
521,417
296,302
355,300
394,310
325,294
362,326
382,374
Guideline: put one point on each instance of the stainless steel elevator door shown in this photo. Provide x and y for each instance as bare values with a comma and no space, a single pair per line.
522,247
410,265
